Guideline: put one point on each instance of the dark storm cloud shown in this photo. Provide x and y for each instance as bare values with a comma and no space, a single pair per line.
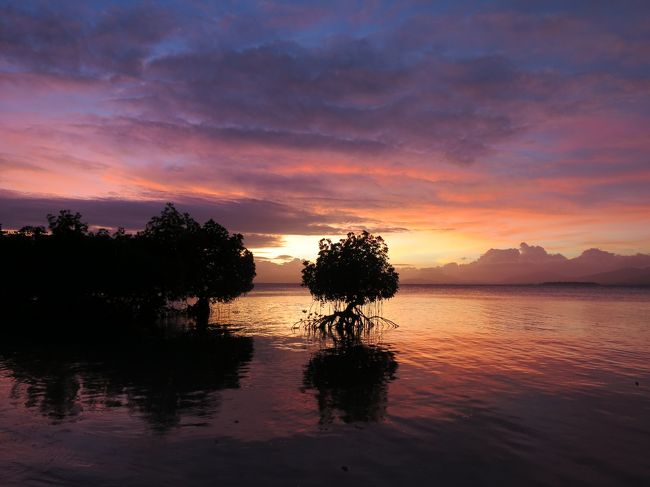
257,240
264,220
423,86
73,38
170,134
350,97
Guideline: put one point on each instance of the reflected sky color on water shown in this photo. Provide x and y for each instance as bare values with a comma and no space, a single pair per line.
478,385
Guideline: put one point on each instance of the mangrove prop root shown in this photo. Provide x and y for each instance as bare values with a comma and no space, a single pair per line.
350,319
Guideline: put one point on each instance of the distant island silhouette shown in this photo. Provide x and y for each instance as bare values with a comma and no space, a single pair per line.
527,264
569,283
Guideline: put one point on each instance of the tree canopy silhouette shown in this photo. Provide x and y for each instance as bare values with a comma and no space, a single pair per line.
73,270
66,225
202,261
350,273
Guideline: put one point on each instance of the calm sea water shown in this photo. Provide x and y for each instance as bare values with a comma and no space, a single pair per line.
477,386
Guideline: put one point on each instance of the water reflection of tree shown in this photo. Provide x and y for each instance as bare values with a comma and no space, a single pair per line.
162,381
53,390
351,380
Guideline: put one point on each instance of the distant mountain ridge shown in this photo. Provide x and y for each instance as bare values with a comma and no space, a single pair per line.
528,264
533,265
629,276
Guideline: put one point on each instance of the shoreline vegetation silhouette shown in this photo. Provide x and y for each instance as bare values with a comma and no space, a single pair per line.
354,277
67,282
67,278
103,297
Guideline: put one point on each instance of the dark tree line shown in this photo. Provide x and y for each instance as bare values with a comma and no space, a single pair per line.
64,268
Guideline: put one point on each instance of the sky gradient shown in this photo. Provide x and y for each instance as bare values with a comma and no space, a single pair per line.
447,127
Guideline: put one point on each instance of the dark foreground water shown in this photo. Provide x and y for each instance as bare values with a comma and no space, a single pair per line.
478,386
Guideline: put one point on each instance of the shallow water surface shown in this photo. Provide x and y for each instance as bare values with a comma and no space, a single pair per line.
477,386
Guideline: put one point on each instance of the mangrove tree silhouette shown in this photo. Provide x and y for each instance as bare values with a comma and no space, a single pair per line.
71,273
350,274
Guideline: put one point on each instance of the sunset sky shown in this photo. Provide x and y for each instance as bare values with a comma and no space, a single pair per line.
447,127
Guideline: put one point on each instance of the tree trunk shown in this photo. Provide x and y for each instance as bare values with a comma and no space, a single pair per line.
349,310
202,313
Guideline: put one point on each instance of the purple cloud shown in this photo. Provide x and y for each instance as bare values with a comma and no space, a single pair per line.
392,115
263,220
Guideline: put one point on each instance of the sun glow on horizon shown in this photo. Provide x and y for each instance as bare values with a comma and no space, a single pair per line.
412,248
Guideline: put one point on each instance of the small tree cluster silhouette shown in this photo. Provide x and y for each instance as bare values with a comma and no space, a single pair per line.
350,274
69,269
